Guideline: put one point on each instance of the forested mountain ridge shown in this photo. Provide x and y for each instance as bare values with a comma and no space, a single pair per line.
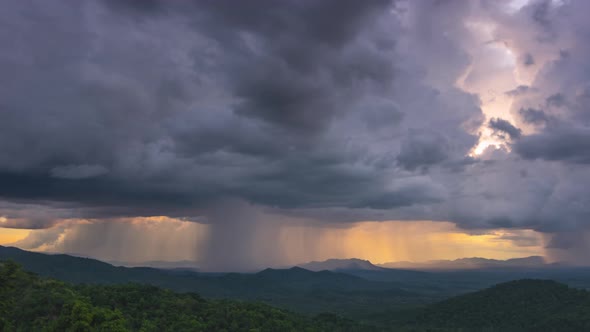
31,303
520,305
295,289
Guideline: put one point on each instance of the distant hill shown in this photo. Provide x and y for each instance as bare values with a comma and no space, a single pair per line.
390,297
416,281
168,265
341,264
31,303
470,264
296,288
307,278
353,291
522,305
87,270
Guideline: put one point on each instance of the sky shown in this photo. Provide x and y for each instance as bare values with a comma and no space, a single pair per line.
266,133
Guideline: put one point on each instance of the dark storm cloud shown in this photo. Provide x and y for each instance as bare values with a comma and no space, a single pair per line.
149,6
528,60
519,91
78,171
557,100
504,127
562,144
533,116
521,240
329,22
564,240
301,67
96,198
332,110
123,108
423,149
406,193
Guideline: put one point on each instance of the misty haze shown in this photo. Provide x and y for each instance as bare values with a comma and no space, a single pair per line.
295,165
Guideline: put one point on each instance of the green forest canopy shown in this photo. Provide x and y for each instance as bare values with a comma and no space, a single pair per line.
31,303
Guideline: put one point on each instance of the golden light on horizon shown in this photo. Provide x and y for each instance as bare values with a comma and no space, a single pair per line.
390,241
11,235
162,238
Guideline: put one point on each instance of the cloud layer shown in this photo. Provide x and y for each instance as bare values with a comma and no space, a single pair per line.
327,110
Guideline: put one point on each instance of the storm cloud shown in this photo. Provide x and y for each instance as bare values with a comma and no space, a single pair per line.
328,110
193,102
502,127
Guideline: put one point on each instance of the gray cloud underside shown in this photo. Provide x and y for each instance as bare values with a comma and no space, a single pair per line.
152,106
503,127
333,110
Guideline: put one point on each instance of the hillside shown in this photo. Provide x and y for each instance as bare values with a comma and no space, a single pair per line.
368,295
30,303
522,305
86,270
295,289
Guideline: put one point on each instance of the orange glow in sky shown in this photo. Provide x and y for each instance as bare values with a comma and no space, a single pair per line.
11,235
389,241
290,244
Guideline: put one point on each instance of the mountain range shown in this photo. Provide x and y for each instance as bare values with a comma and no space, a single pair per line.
346,286
30,302
294,288
356,264
470,263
